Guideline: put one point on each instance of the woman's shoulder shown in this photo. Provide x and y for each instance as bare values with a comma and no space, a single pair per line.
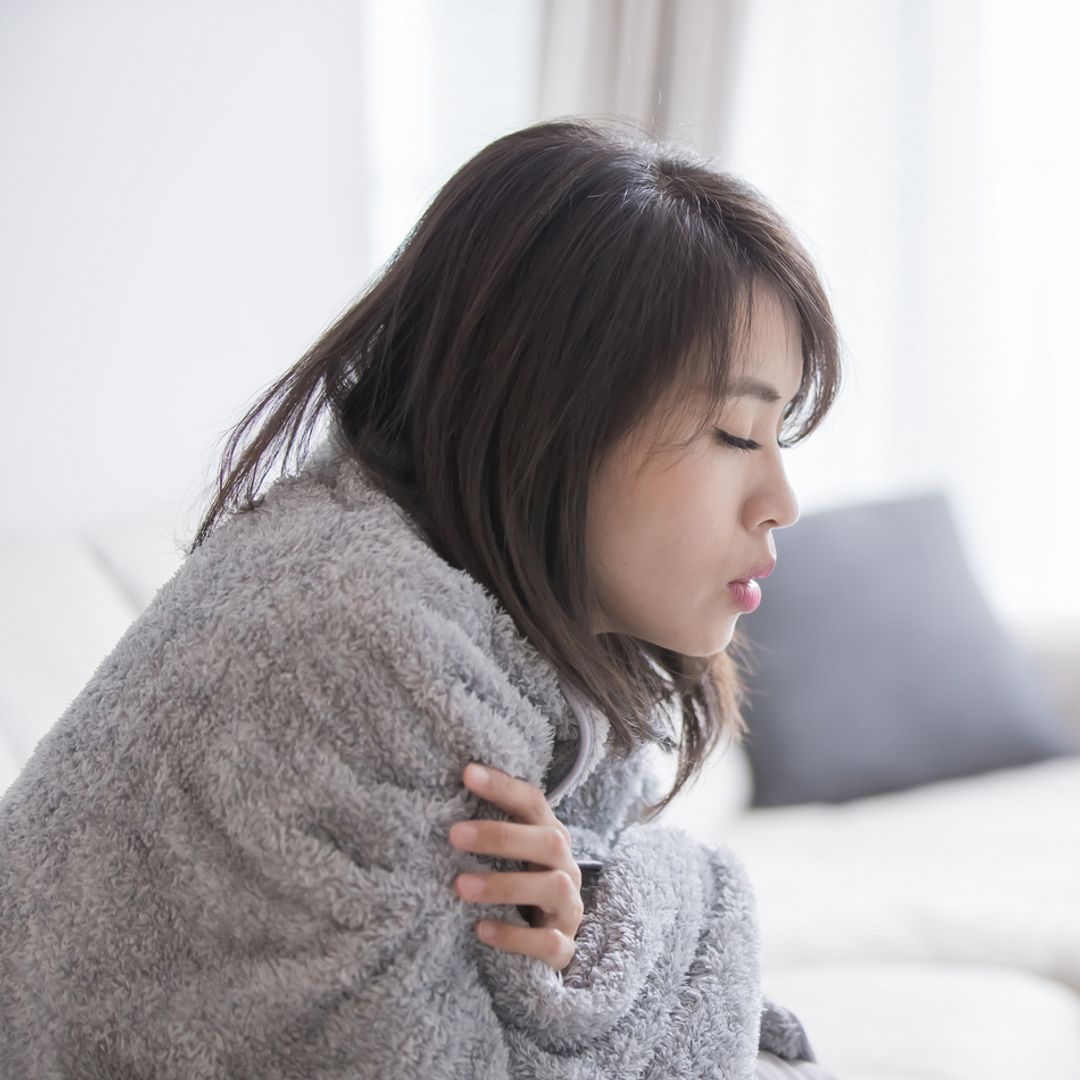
324,584
301,549
328,535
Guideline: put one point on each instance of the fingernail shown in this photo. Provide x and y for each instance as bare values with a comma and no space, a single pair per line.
479,774
485,930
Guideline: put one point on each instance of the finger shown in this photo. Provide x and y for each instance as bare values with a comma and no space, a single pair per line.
553,891
523,800
545,845
571,869
546,943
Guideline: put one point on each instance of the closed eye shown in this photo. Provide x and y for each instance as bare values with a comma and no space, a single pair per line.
744,444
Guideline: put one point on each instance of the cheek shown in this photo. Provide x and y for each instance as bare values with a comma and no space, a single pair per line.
669,534
660,556
698,507
628,535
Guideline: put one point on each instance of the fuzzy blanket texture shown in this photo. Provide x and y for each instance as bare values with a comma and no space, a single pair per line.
229,856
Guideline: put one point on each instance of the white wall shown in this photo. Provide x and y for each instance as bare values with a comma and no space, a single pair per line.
190,194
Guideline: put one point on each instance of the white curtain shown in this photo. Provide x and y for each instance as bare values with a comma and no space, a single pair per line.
672,65
192,191
927,153
930,152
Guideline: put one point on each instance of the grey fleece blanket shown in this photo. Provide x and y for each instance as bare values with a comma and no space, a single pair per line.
229,856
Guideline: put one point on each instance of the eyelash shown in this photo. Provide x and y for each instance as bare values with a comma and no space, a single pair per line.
745,444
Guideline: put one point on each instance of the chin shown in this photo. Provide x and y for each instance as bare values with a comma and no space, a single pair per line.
721,641
705,638
705,644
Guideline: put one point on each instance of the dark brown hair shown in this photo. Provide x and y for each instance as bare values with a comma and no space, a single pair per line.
562,284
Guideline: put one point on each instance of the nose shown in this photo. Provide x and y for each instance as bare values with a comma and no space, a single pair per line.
781,502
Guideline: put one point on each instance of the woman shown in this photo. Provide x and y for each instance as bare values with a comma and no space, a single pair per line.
551,474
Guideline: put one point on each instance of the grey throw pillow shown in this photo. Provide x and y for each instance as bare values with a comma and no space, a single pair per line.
880,666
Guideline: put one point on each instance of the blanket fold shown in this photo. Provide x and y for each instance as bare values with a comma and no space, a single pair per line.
229,856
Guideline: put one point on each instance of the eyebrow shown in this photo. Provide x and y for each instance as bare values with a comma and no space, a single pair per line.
751,387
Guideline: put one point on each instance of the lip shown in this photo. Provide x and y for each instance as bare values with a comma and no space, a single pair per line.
762,570
746,594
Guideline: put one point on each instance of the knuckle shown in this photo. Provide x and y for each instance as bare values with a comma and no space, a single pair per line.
556,941
565,884
537,803
568,954
560,844
561,949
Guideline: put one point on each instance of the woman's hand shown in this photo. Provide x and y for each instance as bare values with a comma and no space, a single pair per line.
551,888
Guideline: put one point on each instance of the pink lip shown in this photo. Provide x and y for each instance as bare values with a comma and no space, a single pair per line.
747,594
746,591
762,570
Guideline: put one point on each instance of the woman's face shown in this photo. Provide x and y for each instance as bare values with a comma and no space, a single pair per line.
668,530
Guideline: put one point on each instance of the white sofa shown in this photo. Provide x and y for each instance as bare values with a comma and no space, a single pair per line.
929,933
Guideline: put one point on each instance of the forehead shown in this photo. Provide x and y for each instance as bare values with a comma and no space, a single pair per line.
767,365
774,342
767,360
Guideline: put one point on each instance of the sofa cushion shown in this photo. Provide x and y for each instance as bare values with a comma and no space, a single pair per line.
63,614
141,553
932,1021
979,869
880,666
